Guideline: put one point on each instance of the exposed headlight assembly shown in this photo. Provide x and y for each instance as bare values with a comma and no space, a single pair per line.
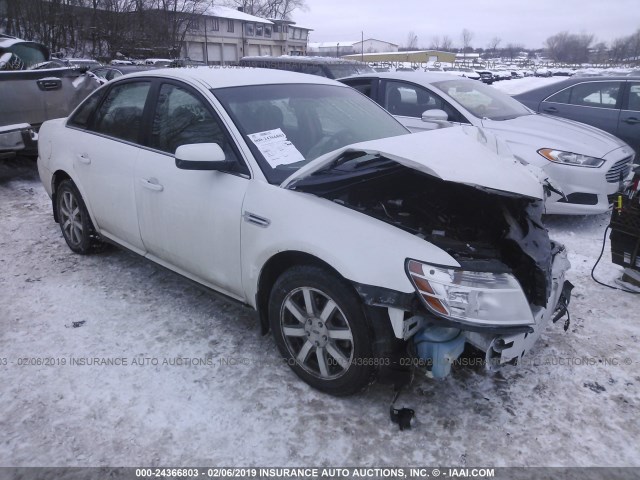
476,298
569,158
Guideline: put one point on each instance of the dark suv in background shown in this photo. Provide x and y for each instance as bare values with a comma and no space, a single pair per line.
328,67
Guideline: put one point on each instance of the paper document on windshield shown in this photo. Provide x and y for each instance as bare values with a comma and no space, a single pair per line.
275,147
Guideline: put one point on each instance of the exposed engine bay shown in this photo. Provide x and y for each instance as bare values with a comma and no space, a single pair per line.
483,230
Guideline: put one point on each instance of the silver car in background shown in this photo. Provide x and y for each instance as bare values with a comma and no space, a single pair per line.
586,163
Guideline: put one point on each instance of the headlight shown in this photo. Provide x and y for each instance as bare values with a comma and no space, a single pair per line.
481,298
569,158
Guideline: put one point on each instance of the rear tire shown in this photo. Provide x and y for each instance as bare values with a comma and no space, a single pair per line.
74,219
321,330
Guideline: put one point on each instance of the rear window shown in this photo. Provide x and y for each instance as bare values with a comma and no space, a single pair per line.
29,53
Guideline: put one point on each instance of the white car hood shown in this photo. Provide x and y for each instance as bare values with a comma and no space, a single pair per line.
457,154
544,131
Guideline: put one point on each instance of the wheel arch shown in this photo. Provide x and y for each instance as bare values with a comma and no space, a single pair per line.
274,267
56,179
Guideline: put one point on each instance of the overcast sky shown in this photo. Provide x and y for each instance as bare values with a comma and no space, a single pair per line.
529,22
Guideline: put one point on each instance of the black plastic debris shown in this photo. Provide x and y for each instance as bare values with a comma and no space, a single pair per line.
402,416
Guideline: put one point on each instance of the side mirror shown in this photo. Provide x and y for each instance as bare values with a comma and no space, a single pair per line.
437,116
201,156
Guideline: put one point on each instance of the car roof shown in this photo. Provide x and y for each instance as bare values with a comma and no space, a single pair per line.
218,77
125,68
415,77
301,59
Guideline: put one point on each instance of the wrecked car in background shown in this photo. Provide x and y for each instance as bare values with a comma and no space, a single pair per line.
29,96
359,245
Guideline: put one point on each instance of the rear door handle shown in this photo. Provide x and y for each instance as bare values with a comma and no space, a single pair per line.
550,109
84,158
631,120
151,184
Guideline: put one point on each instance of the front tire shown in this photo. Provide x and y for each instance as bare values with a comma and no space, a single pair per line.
74,219
321,330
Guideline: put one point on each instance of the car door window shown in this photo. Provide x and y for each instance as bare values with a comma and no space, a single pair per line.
82,115
181,118
634,97
363,86
596,94
563,96
409,100
100,72
120,114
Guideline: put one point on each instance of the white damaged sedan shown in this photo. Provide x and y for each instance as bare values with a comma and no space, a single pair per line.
361,247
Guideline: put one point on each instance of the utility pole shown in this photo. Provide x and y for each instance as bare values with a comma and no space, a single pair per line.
206,42
362,45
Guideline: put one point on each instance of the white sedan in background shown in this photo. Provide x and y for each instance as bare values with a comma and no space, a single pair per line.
299,197
586,163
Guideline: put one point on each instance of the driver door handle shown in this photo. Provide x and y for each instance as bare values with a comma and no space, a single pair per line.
550,109
151,184
631,120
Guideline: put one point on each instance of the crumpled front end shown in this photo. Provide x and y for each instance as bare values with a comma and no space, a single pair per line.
509,278
506,348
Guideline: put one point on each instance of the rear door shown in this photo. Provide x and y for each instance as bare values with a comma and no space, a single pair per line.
629,126
104,156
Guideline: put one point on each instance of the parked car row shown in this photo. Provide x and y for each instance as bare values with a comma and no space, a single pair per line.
360,246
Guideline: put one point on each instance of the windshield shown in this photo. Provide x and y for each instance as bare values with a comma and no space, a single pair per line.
483,101
287,126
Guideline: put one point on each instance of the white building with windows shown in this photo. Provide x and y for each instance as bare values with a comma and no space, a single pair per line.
223,35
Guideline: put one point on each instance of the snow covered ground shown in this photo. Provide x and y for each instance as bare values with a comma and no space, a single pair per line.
520,85
196,384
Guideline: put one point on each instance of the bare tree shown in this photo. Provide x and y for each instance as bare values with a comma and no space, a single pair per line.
278,9
633,46
446,43
600,53
412,41
512,50
568,47
435,43
173,19
618,50
466,36
493,45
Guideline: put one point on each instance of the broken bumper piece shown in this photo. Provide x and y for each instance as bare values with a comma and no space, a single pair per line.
439,353
18,138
